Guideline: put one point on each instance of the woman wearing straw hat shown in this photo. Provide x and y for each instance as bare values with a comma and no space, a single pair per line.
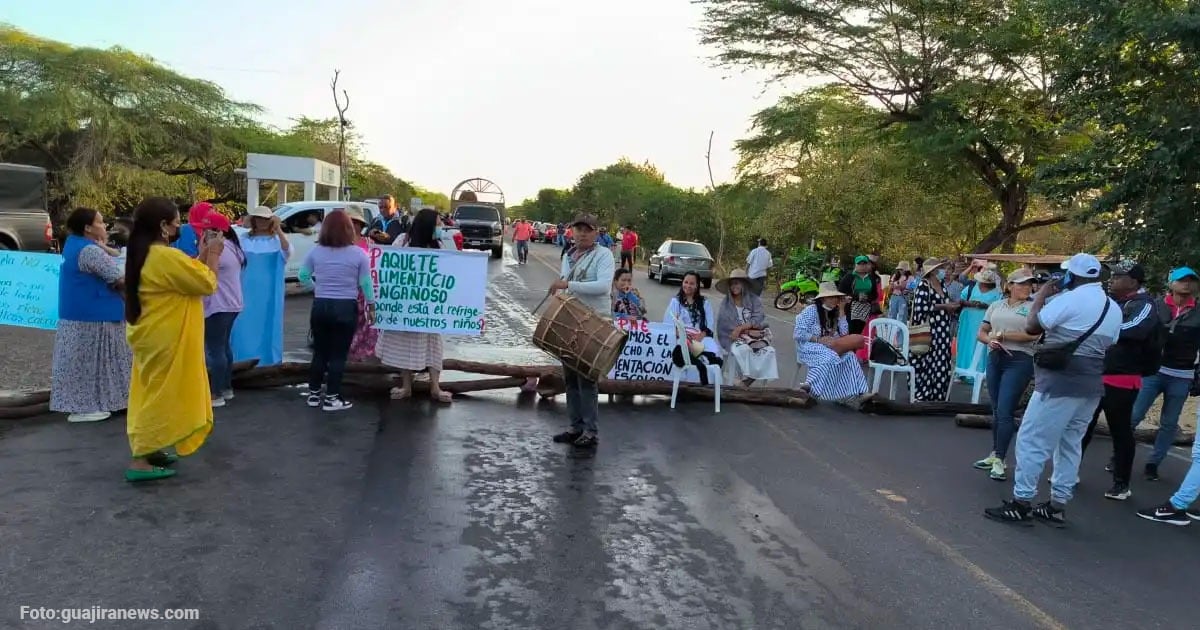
258,331
742,329
825,345
976,297
931,306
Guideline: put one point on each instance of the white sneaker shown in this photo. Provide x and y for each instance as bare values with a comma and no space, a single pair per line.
227,394
335,403
218,402
89,417
998,472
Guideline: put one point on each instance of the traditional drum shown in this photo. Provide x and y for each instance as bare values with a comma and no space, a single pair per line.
581,338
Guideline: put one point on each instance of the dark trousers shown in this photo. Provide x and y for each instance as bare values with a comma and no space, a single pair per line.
583,401
218,353
332,323
627,259
1007,377
1117,406
758,284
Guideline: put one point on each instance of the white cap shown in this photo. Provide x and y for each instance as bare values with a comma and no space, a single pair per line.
1083,266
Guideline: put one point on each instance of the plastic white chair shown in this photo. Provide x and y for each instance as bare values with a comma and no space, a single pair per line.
714,371
894,332
974,372
800,376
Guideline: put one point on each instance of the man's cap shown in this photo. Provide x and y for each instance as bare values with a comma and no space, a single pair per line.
1129,268
1020,276
216,221
585,219
858,260
1083,266
1179,273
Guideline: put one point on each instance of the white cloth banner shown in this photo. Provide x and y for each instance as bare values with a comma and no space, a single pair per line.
429,290
647,354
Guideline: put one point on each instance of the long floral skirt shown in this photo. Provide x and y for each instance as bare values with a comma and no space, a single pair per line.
362,347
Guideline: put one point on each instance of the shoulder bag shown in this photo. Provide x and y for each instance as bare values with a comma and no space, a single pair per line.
1056,356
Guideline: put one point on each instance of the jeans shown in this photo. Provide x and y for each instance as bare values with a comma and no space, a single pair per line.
1007,377
1175,392
522,249
218,352
583,401
898,308
332,323
1190,488
1117,406
627,259
1053,426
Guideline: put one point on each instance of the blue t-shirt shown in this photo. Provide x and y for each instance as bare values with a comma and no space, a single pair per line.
188,241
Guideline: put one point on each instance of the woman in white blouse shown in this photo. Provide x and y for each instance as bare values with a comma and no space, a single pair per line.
696,314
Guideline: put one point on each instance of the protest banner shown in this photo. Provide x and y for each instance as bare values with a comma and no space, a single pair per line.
647,354
29,289
429,290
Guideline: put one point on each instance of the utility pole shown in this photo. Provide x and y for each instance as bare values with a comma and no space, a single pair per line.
341,104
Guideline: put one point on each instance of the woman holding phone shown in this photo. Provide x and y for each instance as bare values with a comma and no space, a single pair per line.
1009,365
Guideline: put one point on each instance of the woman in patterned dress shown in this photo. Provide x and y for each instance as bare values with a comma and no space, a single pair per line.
414,351
930,306
825,345
92,361
362,348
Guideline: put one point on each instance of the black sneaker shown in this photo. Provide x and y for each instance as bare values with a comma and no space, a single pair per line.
1193,514
1119,492
1010,512
335,403
587,440
567,437
314,398
1109,466
1151,472
1166,513
1050,514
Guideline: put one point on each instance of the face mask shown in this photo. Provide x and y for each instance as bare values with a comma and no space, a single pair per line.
438,232
941,274
829,307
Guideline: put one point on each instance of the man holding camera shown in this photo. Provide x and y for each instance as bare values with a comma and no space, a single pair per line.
1077,328
387,227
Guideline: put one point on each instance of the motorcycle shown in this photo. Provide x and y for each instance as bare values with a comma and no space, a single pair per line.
803,288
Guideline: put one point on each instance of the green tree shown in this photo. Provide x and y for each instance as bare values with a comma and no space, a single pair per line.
1130,79
966,79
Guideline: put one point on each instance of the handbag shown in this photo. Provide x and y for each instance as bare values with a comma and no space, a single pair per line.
920,339
884,353
1056,356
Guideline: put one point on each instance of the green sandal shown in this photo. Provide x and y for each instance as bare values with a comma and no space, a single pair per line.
161,459
154,474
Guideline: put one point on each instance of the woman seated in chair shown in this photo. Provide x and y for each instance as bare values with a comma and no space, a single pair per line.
824,344
742,329
690,308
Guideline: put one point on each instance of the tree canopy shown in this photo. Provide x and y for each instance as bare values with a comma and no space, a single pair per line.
113,126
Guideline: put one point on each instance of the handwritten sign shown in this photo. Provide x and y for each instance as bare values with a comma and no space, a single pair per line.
647,354
429,290
29,289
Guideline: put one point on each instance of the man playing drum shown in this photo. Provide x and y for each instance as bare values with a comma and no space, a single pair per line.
587,272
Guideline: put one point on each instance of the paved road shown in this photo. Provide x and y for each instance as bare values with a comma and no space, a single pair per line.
406,515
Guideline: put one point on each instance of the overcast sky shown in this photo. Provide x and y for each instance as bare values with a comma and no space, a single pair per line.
527,93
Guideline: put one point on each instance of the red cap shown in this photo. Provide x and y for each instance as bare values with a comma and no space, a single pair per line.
216,221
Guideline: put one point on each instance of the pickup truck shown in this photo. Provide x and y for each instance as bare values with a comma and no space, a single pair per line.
24,223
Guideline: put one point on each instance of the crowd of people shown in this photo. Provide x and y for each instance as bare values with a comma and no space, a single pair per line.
154,315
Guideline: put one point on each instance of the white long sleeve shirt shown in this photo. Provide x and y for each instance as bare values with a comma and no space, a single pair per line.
592,282
758,262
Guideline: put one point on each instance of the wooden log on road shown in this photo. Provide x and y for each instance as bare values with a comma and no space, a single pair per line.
25,399
1147,435
885,407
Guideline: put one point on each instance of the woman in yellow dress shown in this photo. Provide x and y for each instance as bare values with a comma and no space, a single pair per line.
169,402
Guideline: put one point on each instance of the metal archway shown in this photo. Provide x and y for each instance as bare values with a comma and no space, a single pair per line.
483,190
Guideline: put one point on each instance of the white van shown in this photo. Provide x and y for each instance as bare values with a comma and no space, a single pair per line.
295,218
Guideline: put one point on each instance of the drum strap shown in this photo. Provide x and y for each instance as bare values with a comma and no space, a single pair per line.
581,266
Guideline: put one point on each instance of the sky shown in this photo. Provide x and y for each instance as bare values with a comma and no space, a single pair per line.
527,93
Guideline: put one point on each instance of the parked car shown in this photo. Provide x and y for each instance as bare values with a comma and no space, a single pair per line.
24,223
675,258
295,219
551,233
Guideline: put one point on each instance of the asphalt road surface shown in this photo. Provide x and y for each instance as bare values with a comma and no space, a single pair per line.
407,515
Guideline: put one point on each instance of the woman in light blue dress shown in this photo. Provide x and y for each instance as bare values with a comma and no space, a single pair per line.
258,331
976,297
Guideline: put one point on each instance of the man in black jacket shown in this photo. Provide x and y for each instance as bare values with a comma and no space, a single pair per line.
1135,355
1176,377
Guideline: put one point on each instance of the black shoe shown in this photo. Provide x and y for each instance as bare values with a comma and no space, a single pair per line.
1193,514
1151,472
587,440
1049,514
567,437
1011,512
1119,492
335,403
1166,513
1109,466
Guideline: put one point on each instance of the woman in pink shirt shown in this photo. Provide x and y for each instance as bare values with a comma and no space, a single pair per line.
221,308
